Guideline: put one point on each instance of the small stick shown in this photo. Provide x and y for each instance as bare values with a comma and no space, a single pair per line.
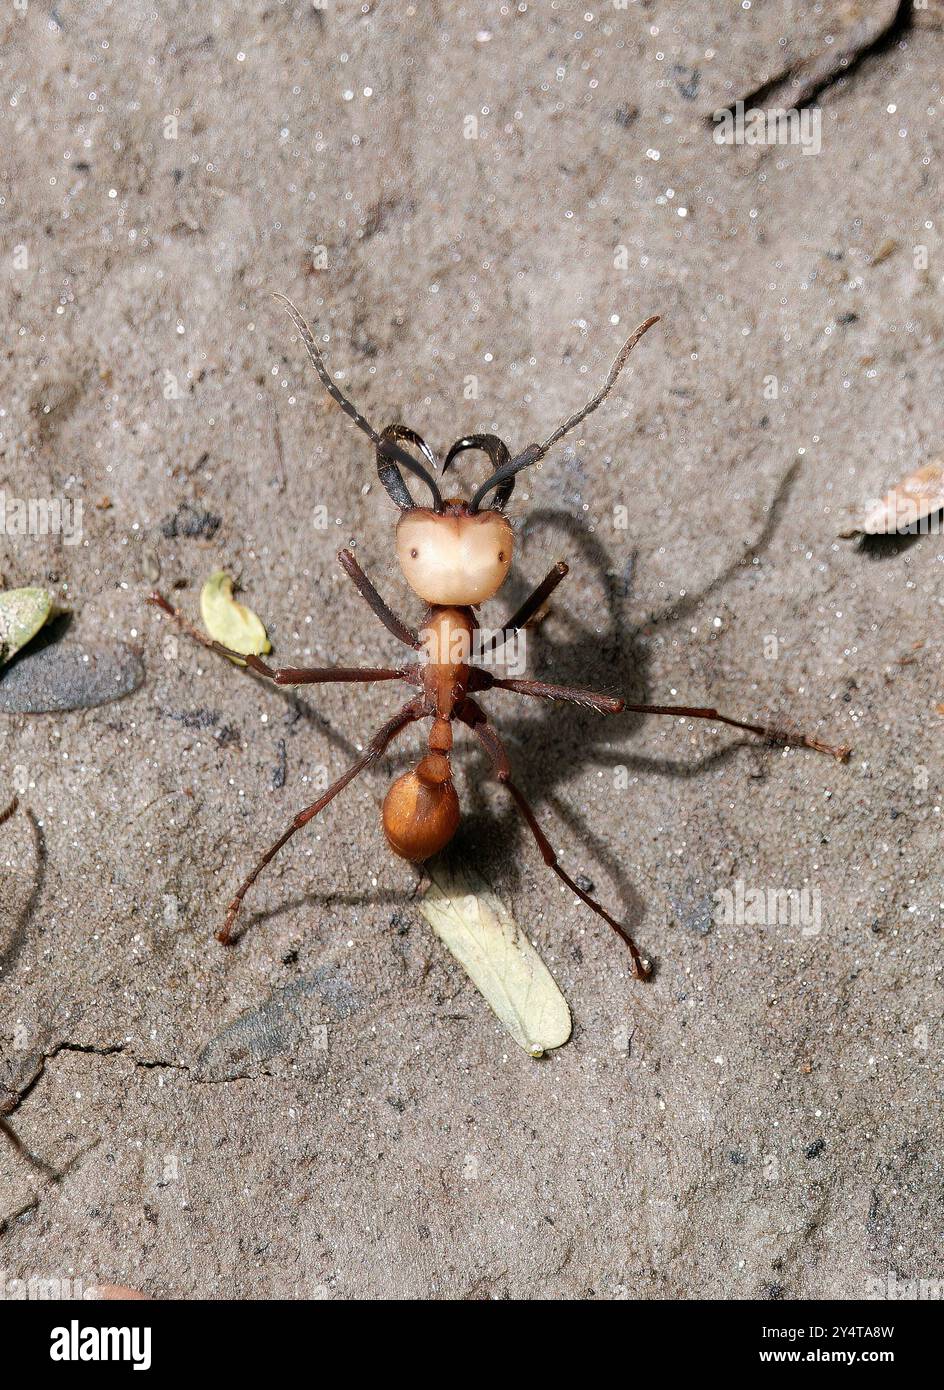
282,675
281,478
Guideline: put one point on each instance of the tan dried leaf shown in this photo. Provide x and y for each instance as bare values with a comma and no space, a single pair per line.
909,502
22,613
478,929
229,622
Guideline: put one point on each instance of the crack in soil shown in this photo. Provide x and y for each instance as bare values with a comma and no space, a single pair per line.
14,1098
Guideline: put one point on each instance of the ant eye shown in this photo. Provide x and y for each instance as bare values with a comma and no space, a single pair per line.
413,553
501,556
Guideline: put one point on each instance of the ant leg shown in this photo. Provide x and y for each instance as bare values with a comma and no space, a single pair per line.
772,733
472,714
367,592
39,1164
381,739
532,604
32,1159
541,594
606,704
282,675
571,694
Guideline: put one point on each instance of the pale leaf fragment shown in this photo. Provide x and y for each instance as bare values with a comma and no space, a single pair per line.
914,499
22,613
478,929
229,622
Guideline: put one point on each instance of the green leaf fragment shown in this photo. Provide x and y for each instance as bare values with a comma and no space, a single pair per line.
229,622
22,613
480,932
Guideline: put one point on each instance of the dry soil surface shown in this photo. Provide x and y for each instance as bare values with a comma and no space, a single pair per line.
475,203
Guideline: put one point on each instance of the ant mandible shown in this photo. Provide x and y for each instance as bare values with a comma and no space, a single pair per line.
455,555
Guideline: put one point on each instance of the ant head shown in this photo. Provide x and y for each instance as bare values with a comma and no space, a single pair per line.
456,552
454,557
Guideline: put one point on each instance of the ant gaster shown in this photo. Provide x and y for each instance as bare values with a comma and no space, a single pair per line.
455,555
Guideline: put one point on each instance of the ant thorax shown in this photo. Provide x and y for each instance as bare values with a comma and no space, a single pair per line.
456,557
447,638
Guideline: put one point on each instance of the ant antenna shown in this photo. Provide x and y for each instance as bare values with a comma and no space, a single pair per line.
535,452
387,449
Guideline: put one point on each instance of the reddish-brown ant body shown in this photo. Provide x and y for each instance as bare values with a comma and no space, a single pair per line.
455,555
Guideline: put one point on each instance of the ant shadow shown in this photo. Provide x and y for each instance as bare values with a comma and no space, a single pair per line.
568,739
20,1077
11,951
548,744
887,546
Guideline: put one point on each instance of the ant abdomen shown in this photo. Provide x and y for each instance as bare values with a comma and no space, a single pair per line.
421,809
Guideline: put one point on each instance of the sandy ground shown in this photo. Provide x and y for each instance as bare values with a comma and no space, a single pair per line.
330,1109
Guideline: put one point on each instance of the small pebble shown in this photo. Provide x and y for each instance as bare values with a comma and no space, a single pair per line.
64,676
187,520
150,567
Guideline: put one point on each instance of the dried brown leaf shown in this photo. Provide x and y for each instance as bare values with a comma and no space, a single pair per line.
917,497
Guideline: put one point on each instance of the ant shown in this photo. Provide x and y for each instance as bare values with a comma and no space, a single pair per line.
455,555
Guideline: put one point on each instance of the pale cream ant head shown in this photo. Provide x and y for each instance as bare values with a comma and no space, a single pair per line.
457,553
455,557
